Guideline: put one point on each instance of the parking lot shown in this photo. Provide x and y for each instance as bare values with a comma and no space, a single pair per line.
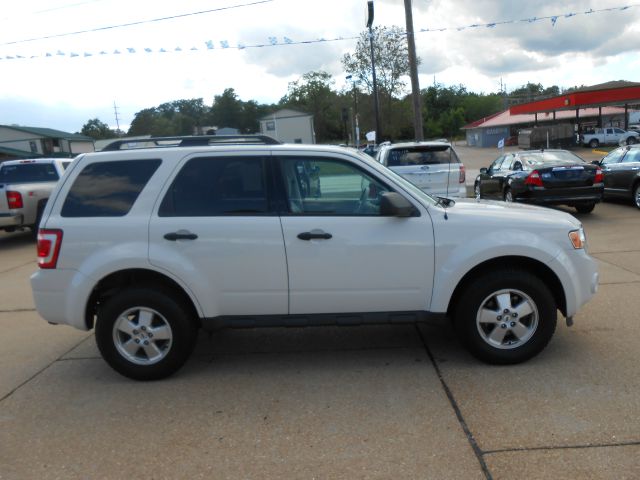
323,402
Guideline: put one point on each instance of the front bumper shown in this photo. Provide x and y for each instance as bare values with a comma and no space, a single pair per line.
578,272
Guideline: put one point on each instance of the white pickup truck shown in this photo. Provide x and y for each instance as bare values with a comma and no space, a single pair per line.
609,136
25,186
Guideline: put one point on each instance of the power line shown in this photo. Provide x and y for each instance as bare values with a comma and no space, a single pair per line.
141,22
274,41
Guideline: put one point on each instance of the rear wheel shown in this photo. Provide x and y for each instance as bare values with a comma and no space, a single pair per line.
505,316
631,140
594,143
636,194
587,208
145,334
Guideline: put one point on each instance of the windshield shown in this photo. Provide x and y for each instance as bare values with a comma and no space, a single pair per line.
536,159
28,173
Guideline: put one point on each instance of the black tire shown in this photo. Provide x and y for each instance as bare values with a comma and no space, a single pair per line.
476,191
594,143
636,195
586,208
125,333
631,140
508,195
507,294
34,227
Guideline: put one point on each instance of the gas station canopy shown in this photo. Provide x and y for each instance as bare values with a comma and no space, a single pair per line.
611,93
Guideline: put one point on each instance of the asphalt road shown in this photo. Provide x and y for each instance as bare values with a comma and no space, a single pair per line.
361,402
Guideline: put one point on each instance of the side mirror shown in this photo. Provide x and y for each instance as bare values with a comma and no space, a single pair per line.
484,170
393,204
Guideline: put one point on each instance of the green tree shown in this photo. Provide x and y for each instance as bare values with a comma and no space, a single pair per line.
98,130
142,123
313,94
391,55
227,110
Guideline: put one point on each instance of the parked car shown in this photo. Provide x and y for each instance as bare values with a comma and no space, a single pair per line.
543,177
150,244
609,136
25,186
434,167
621,170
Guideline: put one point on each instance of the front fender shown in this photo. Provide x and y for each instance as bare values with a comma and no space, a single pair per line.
453,263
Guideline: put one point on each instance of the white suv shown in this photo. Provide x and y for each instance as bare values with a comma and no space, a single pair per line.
434,167
150,244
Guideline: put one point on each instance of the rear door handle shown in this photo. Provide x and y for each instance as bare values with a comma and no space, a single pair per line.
180,235
314,234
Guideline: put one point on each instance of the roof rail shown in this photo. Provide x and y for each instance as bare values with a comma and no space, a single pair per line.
189,141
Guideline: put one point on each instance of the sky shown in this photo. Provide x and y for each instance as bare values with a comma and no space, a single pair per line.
63,62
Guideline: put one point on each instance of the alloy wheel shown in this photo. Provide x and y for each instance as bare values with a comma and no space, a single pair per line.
507,319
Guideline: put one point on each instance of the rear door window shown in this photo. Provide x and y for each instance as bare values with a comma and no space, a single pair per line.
632,156
214,186
28,173
108,189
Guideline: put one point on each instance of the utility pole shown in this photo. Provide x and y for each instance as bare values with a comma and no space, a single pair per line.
373,71
115,111
413,67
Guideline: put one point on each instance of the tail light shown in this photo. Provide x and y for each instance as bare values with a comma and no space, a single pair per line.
14,200
462,177
49,243
534,179
599,178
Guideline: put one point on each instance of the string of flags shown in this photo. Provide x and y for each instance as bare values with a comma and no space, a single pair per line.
274,41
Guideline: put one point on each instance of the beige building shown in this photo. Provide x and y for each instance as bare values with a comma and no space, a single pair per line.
33,142
289,126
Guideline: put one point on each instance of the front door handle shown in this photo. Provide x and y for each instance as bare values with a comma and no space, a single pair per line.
180,235
314,234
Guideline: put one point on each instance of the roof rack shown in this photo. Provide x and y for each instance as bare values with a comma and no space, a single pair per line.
189,141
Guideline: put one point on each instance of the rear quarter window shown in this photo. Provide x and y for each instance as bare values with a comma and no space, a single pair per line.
28,173
108,189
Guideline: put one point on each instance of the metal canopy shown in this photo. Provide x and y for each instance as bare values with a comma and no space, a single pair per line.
606,94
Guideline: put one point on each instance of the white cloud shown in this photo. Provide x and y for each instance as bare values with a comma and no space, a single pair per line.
64,92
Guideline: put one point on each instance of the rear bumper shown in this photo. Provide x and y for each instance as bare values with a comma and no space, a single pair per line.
458,191
568,196
11,220
61,296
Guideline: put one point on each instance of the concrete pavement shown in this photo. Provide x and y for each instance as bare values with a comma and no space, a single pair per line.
363,402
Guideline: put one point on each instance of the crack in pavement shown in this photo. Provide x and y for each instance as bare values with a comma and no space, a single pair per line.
631,443
454,404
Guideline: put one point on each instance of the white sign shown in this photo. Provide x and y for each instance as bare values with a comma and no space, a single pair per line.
501,143
371,136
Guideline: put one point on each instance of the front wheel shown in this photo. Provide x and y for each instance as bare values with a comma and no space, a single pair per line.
631,140
594,143
476,191
508,195
145,334
636,194
505,316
